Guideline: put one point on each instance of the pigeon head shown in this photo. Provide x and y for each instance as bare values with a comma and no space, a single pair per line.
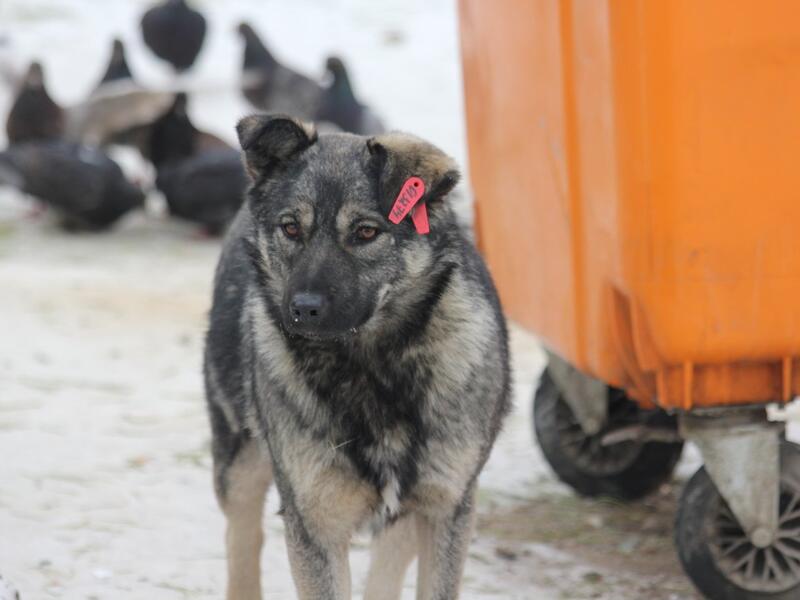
117,51
180,104
340,80
34,78
335,65
255,52
117,65
173,135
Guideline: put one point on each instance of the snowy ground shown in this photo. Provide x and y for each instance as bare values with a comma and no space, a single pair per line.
105,474
106,489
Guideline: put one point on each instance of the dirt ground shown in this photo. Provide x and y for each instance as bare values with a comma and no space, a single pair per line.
629,545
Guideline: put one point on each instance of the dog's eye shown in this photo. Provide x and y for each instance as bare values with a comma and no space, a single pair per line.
292,230
366,233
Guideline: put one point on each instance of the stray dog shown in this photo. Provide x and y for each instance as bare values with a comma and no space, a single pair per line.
356,361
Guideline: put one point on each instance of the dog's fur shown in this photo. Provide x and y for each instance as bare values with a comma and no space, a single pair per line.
381,411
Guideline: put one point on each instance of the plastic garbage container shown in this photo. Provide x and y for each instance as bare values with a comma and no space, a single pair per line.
637,182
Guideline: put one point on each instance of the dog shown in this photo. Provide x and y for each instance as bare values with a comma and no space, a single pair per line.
360,364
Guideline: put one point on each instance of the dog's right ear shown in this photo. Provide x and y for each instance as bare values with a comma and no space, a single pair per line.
396,156
270,140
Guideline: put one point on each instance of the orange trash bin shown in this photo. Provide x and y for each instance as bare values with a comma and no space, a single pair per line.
635,167
636,171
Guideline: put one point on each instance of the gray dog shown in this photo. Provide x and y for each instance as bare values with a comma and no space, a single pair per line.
359,363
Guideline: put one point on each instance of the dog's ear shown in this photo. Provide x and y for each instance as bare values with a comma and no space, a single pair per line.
396,156
270,140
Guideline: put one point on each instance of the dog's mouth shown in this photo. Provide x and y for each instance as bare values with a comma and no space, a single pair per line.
340,333
321,325
324,336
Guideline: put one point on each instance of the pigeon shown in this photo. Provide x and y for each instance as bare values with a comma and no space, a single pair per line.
117,69
117,105
207,188
174,32
338,104
268,85
85,187
168,136
202,177
173,136
34,115
114,108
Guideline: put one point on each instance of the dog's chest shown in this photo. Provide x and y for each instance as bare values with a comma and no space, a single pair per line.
395,468
386,458
375,419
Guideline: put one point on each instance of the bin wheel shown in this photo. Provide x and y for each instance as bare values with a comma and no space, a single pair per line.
716,553
626,470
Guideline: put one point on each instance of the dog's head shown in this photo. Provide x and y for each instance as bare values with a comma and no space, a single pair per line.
329,258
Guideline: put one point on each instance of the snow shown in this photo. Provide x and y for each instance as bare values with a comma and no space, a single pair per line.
106,481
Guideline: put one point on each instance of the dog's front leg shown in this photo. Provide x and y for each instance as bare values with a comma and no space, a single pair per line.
443,544
243,473
320,565
391,554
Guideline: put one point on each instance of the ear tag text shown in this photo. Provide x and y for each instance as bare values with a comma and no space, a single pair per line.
410,194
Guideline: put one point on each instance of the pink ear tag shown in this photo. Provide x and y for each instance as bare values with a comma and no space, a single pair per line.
410,194
420,217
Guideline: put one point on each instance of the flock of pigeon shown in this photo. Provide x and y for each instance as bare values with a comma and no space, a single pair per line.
59,154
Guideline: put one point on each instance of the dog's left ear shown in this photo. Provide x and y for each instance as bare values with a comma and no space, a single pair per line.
268,141
397,156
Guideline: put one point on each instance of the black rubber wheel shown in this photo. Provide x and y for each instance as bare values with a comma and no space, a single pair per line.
626,470
716,553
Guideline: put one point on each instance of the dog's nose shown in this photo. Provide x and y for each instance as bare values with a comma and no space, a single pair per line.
307,308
